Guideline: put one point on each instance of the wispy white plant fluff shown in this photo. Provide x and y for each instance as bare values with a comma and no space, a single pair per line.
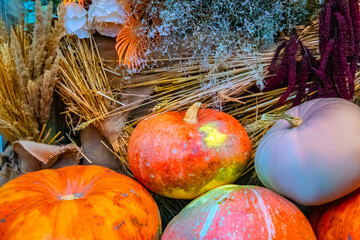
218,27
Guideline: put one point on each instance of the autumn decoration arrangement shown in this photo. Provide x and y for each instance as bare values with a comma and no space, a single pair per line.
174,120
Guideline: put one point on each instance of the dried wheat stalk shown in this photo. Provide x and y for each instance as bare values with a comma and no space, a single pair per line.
86,91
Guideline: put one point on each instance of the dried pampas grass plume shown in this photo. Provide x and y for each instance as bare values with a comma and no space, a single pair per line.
29,66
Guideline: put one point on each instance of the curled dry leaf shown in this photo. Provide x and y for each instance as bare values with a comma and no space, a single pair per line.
35,156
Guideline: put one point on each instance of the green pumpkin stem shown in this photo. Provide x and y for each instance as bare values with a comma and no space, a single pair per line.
293,121
191,113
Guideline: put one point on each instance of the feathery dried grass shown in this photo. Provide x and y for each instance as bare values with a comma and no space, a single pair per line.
29,71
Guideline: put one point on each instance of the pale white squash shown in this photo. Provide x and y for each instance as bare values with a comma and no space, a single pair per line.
317,161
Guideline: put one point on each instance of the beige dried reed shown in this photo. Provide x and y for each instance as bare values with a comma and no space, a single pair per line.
29,66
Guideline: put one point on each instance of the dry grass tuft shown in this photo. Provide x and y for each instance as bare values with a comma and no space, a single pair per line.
84,86
86,91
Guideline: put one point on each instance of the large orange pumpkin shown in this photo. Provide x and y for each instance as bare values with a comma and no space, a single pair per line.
339,219
184,154
240,212
78,202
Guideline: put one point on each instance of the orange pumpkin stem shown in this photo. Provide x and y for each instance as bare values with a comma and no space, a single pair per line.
191,113
293,121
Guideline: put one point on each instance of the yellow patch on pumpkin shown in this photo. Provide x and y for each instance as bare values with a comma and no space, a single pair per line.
214,138
225,176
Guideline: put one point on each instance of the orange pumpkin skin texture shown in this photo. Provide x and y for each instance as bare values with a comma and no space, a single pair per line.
107,205
339,219
183,160
240,212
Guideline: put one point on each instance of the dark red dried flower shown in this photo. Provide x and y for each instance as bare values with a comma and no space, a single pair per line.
288,69
339,46
339,43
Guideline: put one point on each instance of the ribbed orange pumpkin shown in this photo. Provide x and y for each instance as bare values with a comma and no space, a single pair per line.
339,219
184,154
78,202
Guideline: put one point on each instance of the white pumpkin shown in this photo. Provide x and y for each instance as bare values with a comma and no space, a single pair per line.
317,161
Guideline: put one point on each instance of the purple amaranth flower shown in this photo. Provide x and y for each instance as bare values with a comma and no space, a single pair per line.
339,43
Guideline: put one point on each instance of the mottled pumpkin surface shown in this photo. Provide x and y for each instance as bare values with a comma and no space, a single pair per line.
240,212
80,203
182,160
339,219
